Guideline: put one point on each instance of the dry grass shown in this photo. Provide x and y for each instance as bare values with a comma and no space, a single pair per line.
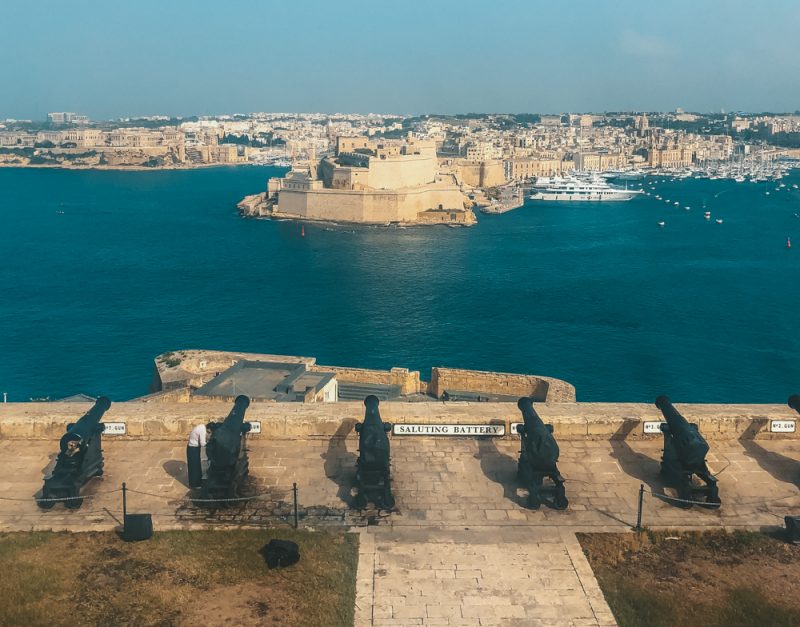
177,578
709,579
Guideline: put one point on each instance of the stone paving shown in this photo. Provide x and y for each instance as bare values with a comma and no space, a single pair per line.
461,547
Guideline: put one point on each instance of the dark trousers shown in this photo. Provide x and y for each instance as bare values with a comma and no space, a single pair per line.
194,466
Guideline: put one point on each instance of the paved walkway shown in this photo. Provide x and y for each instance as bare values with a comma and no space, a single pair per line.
461,549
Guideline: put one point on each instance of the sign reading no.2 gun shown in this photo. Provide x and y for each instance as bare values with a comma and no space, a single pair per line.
457,430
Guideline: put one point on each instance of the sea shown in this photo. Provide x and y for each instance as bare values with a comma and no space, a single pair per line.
100,271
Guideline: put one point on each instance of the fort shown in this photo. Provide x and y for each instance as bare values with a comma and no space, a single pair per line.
368,182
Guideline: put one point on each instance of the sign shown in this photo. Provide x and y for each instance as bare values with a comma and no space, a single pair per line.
457,430
652,427
255,426
782,426
513,427
114,428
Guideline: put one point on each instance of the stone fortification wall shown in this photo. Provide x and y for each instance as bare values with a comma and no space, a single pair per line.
503,383
402,171
571,421
482,174
407,380
375,207
195,368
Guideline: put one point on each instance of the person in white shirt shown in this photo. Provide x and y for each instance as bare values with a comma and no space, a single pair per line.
197,441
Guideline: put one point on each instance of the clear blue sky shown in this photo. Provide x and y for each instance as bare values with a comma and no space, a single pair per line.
114,58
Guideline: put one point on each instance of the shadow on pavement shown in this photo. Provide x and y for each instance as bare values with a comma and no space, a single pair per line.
499,468
780,467
176,469
340,464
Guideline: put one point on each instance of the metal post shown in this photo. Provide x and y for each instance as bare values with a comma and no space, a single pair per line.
639,512
294,492
5,397
124,508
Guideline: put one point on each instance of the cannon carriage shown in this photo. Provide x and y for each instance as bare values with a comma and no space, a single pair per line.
684,458
538,459
373,480
79,459
227,455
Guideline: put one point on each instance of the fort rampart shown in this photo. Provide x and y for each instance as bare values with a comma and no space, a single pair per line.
571,421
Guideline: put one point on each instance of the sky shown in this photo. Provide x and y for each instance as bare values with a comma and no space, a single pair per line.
110,59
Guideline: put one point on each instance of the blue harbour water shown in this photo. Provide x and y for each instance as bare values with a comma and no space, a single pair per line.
101,271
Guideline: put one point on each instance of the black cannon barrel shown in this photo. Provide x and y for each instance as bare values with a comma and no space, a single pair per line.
229,434
794,402
690,446
373,443
86,425
673,417
372,415
529,416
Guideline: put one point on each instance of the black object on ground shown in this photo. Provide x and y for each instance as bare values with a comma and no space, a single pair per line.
79,459
373,480
684,457
227,455
538,456
280,553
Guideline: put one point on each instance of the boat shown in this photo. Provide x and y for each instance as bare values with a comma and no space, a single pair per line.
687,207
676,203
707,215
718,220
661,223
572,189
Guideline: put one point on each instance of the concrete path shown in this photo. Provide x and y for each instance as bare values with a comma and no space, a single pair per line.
495,576
462,549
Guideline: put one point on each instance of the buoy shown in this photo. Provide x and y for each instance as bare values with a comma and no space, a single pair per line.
302,231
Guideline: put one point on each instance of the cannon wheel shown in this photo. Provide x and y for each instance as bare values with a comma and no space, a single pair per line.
45,504
560,499
75,503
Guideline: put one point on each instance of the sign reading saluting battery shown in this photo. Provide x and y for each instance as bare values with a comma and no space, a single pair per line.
453,430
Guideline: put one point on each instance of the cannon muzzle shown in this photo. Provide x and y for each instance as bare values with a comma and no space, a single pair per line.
529,416
794,402
85,427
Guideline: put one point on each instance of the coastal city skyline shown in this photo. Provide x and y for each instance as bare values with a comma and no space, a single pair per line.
195,59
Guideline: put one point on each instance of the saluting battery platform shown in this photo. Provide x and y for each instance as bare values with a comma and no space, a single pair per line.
79,459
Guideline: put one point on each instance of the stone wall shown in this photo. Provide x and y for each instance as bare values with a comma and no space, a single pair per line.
407,380
507,384
369,207
571,421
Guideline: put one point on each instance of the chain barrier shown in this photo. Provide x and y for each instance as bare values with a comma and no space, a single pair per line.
63,498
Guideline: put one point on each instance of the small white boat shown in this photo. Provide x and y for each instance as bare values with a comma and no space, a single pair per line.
687,207
662,223
718,220
707,215
676,203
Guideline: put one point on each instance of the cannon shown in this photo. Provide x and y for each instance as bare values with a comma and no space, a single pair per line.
227,454
794,402
373,482
538,456
685,456
79,459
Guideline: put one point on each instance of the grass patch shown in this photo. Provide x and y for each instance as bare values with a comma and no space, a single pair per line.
177,578
713,579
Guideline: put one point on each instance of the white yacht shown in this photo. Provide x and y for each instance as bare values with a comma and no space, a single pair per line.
572,189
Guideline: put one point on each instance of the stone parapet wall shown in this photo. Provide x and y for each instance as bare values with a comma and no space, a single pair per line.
571,421
501,383
407,380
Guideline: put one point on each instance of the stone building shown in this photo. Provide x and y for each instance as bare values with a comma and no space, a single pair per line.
375,182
